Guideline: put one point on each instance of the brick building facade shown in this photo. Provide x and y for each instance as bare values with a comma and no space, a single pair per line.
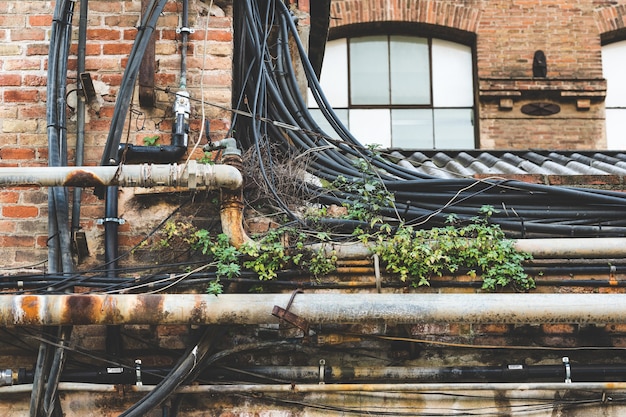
503,37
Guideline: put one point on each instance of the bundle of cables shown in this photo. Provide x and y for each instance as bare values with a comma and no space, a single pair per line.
267,89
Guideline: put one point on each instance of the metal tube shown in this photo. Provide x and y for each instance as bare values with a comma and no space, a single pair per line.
252,309
190,175
514,390
574,248
610,247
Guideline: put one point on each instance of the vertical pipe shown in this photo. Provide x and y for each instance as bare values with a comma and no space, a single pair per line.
111,231
184,32
113,333
80,113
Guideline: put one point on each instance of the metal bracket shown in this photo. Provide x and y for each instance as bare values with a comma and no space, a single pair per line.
612,279
110,220
322,371
138,372
289,317
568,370
185,30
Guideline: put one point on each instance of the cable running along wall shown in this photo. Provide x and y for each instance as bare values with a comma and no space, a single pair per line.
265,85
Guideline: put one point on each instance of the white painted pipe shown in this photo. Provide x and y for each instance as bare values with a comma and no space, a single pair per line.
557,248
513,389
606,247
190,175
254,309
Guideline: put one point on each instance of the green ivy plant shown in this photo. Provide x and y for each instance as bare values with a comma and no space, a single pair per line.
151,140
480,247
279,249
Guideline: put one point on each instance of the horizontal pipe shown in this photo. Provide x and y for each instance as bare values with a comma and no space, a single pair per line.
607,247
611,247
405,374
190,175
253,309
344,374
513,389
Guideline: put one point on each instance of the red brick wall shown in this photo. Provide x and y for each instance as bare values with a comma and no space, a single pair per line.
24,37
507,34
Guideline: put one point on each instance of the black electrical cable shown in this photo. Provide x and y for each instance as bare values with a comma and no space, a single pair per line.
122,103
285,104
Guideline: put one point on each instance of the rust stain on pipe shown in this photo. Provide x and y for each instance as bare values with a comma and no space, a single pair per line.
82,178
81,309
30,310
148,308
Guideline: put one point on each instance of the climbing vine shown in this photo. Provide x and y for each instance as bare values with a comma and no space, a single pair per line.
479,248
279,249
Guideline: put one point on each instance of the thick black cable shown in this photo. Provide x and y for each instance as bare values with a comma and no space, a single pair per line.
122,103
286,105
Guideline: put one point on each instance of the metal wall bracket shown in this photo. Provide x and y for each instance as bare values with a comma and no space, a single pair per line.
568,370
291,318
111,220
185,30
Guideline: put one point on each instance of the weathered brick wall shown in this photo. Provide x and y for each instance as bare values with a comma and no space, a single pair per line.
24,38
507,33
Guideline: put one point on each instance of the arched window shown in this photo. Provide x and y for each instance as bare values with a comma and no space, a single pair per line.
401,91
613,64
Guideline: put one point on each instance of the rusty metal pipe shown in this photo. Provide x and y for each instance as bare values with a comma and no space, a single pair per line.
254,309
611,247
190,175
513,389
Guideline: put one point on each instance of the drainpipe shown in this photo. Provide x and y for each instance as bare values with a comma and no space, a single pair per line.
80,124
256,309
231,209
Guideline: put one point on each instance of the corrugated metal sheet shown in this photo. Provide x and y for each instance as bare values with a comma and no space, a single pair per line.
468,163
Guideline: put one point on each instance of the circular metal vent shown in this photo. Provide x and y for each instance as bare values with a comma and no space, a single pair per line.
540,109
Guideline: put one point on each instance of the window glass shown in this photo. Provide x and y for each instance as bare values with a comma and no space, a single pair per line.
342,114
454,128
402,91
371,126
616,129
369,70
453,84
410,70
412,128
334,78
613,64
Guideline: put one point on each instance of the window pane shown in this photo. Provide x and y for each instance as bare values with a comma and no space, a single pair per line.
371,126
410,73
616,129
323,123
613,64
412,128
334,75
369,70
453,128
452,74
